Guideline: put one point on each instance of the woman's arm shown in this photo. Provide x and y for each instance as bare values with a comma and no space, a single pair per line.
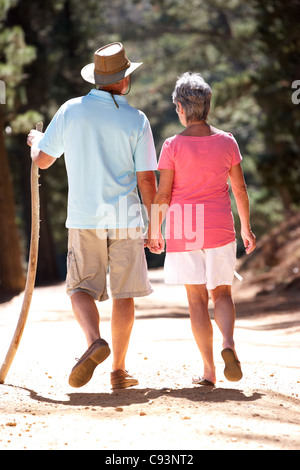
240,193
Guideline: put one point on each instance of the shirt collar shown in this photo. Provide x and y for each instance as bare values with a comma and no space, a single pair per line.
104,95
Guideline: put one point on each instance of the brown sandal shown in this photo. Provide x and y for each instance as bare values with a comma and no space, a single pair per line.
121,379
233,371
201,381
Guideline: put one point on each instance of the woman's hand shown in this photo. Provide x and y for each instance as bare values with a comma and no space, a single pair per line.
249,240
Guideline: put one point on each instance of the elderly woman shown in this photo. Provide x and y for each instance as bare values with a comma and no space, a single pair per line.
201,247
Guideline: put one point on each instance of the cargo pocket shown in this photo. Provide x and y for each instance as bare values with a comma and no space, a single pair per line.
73,278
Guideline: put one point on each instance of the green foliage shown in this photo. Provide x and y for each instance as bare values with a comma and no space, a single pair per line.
19,125
279,45
14,55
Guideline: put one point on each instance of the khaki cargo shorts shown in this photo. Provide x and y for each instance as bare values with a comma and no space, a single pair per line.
92,253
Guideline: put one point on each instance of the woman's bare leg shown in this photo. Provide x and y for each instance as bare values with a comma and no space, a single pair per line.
202,327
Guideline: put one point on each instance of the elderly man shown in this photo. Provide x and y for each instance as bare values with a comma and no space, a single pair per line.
109,152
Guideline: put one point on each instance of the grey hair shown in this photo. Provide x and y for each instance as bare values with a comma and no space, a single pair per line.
194,94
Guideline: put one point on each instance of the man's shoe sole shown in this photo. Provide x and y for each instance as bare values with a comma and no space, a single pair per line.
82,372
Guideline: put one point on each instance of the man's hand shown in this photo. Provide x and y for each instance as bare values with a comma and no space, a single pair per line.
42,159
34,137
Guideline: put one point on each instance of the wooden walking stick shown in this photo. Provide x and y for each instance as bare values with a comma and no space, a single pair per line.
31,271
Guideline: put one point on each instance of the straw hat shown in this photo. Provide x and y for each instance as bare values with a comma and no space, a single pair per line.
110,65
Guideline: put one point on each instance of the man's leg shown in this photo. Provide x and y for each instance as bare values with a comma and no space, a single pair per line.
87,315
121,326
87,265
86,277
128,279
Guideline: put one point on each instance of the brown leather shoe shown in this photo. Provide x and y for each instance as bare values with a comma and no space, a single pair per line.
121,379
83,371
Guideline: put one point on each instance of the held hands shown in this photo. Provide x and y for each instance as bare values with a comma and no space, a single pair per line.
155,244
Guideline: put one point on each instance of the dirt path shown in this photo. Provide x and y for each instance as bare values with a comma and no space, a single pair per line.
165,412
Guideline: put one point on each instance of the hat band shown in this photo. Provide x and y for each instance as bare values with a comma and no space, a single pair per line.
112,72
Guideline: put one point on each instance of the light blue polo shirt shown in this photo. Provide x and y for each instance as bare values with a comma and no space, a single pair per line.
104,147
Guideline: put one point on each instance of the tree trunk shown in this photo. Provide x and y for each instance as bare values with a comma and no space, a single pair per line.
12,279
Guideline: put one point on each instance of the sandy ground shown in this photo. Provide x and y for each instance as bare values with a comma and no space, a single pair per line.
39,410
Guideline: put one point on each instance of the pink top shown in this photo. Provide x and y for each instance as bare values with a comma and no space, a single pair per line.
200,214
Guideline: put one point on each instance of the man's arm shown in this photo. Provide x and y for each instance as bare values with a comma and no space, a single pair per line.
161,201
159,209
42,159
240,193
146,181
147,186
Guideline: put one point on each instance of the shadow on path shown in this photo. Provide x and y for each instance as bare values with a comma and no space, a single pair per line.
138,396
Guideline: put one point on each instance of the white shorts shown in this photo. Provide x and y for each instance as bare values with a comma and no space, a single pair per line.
213,266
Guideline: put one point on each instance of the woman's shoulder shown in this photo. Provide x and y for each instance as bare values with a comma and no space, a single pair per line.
227,138
225,134
172,138
218,133
170,141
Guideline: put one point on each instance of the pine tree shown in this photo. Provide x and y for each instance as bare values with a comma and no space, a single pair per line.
13,56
